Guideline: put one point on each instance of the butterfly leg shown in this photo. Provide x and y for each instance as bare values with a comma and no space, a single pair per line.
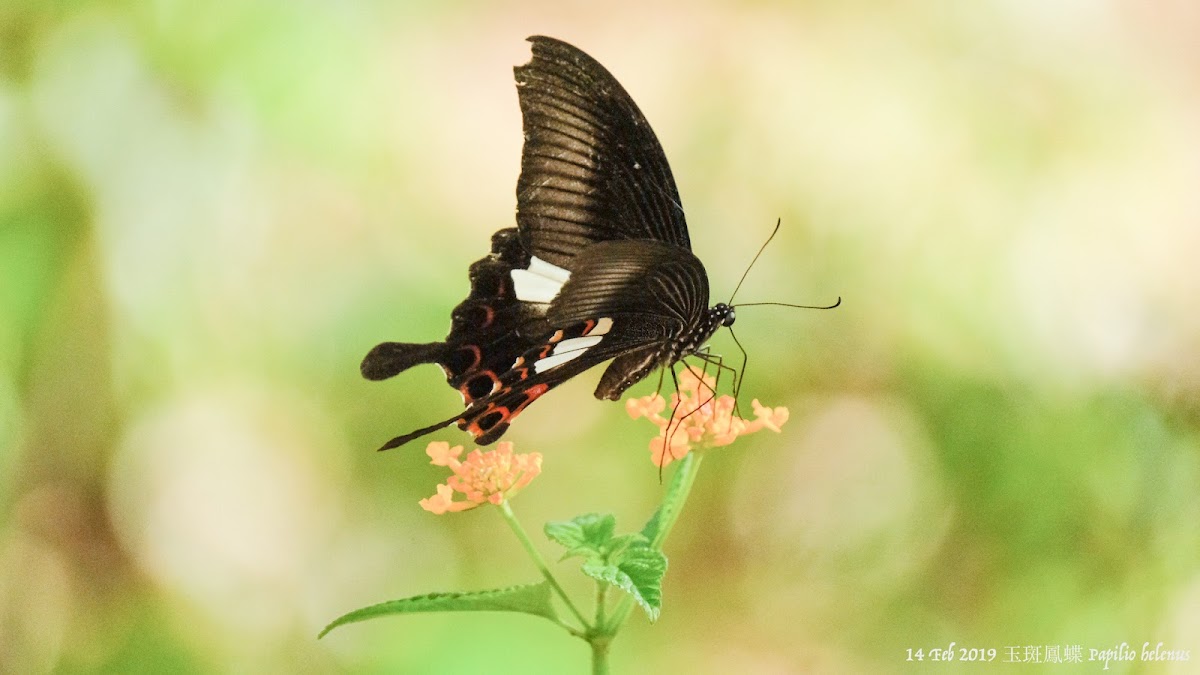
720,364
672,426
679,400
719,361
712,390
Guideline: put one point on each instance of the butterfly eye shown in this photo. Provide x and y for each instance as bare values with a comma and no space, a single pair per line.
730,317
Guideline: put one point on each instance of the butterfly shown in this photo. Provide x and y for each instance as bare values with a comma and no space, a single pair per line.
598,268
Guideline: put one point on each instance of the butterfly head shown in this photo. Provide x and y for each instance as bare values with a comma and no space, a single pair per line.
724,314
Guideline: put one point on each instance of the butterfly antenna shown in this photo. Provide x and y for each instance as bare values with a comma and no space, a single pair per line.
762,248
786,304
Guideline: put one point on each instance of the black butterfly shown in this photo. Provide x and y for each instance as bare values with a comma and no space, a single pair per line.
599,266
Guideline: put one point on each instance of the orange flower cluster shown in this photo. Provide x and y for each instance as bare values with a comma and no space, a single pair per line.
701,420
483,478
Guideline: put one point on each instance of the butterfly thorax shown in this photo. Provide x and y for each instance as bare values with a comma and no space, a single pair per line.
692,341
629,369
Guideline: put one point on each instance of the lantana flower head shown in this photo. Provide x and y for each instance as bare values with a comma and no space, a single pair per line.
482,478
701,420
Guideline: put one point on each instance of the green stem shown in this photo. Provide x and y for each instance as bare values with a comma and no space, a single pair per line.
601,600
689,467
542,567
600,645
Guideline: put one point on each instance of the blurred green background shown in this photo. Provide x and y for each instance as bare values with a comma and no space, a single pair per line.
209,212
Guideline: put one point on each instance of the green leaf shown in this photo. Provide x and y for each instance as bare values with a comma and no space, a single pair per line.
617,545
639,572
528,599
587,535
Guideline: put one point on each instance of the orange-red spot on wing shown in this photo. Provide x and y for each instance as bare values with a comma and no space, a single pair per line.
531,395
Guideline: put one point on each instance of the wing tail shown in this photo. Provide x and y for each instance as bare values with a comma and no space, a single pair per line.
392,358
401,440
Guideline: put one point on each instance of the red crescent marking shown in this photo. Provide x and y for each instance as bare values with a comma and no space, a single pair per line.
506,414
465,388
476,355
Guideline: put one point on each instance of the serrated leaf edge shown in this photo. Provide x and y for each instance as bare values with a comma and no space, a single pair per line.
525,598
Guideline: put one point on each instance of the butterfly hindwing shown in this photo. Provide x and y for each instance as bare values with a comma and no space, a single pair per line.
547,363
562,355
488,331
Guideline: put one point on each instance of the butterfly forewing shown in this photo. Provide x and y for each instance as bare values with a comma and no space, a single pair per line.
591,169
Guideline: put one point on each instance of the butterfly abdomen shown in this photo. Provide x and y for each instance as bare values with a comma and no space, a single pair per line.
626,371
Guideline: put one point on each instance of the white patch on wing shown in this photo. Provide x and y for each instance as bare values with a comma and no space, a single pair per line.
566,351
540,283
602,327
